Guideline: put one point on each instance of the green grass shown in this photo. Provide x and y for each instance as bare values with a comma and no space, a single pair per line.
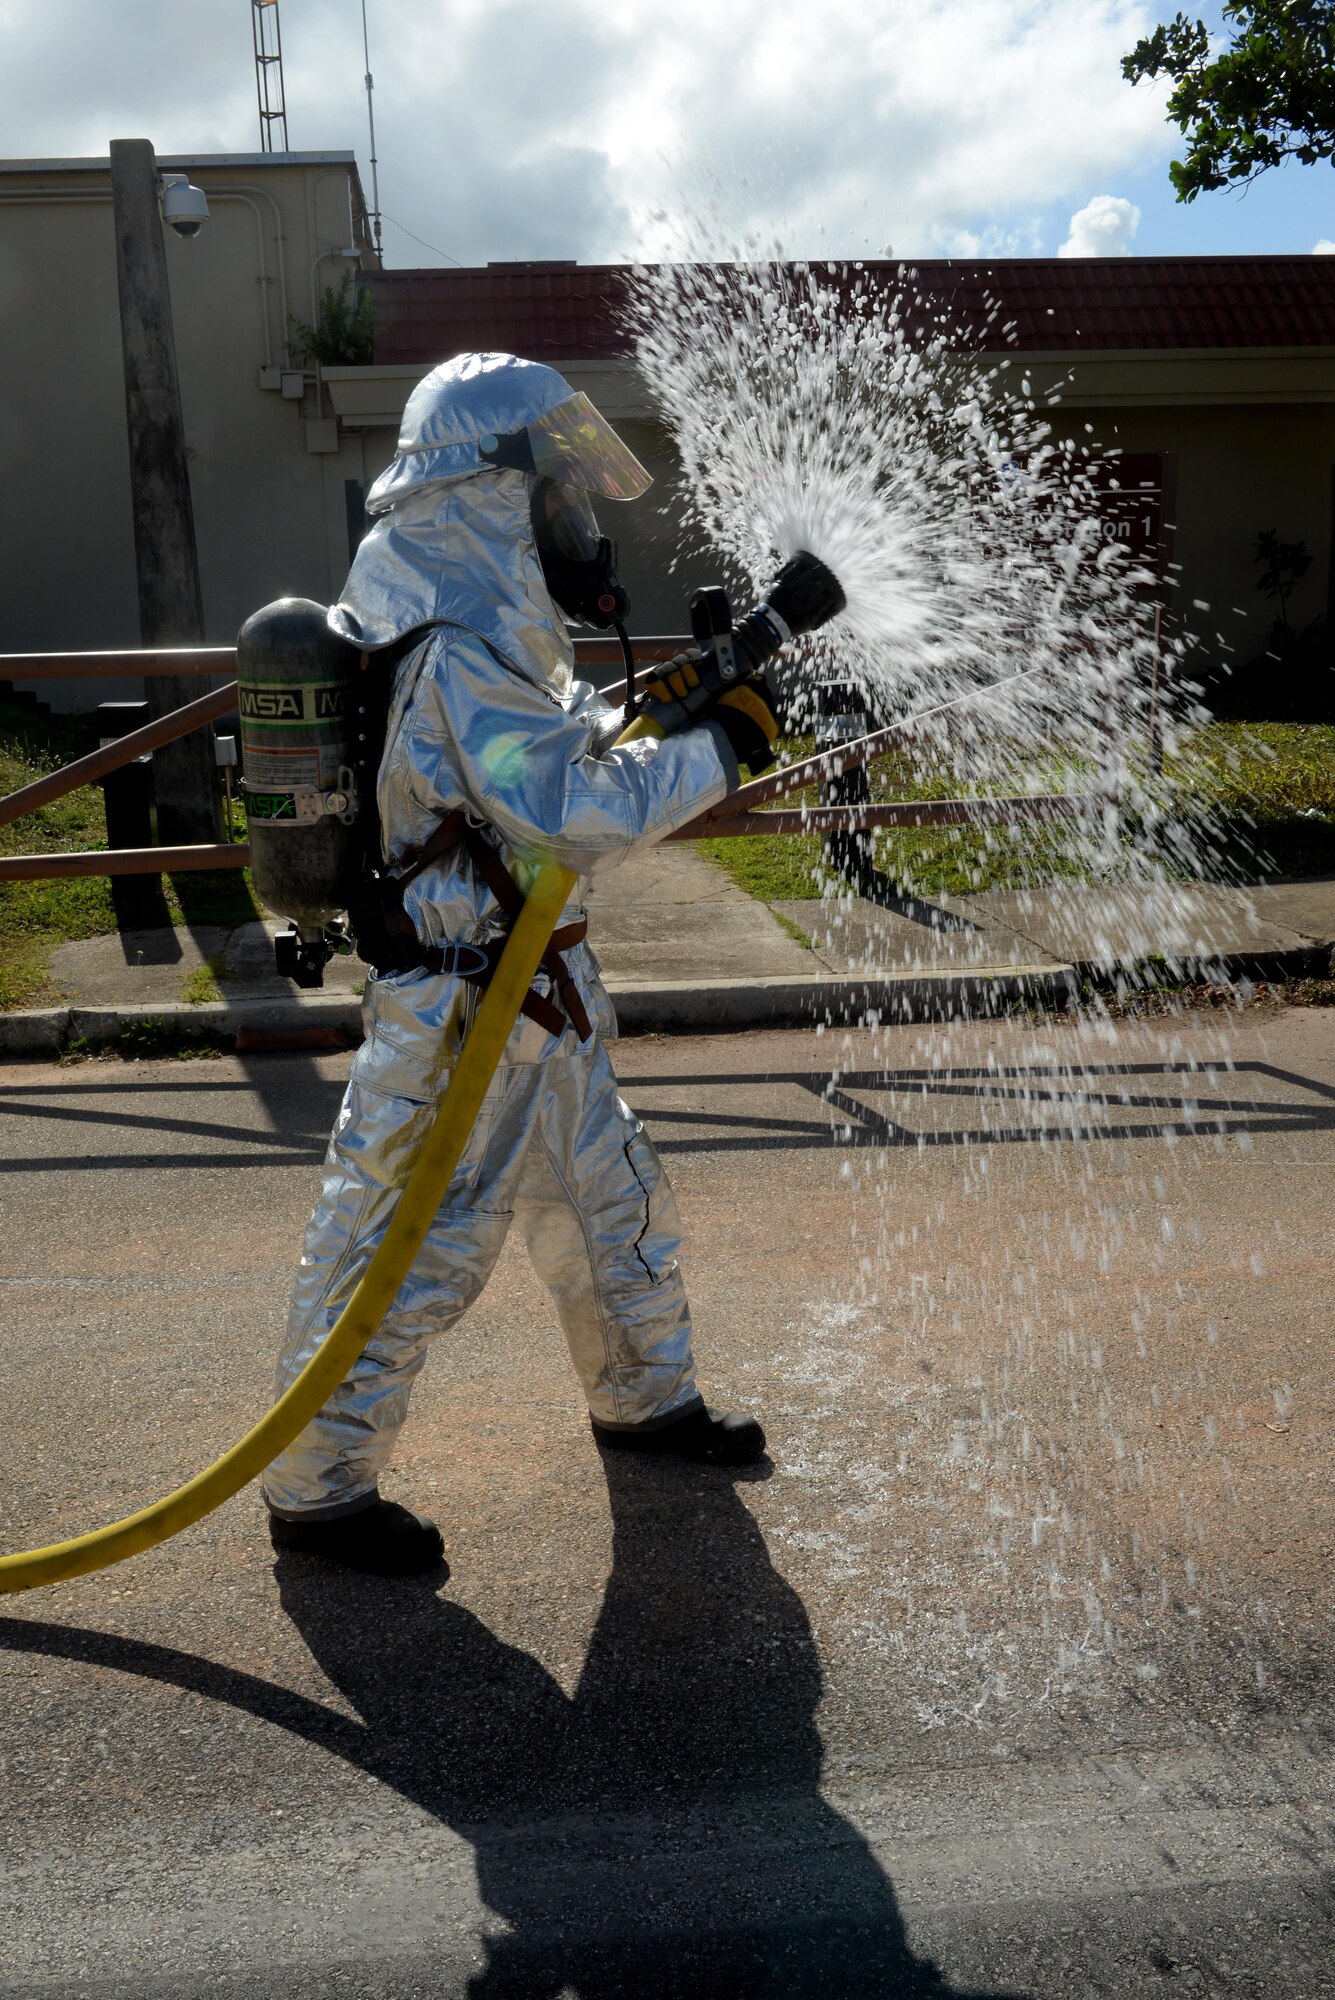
943,861
1272,784
795,931
947,861
202,985
36,917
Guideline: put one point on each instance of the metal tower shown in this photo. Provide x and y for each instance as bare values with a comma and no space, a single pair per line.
268,39
370,119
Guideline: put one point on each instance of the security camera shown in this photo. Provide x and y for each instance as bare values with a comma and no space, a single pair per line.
184,206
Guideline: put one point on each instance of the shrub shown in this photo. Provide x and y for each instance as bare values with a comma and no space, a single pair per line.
343,334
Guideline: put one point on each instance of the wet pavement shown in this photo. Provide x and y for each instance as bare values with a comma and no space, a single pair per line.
1009,1674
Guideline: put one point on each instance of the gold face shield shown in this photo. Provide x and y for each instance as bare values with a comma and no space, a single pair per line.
573,445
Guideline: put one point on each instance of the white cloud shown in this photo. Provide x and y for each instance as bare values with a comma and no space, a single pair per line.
560,128
1325,248
1102,228
1025,239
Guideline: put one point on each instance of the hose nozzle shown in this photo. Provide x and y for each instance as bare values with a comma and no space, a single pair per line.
805,595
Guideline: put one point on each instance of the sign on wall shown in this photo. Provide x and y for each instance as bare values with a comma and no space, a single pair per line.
1137,497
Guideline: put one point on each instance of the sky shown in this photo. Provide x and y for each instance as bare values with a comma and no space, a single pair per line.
573,129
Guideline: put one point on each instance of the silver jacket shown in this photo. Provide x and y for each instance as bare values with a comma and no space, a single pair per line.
486,715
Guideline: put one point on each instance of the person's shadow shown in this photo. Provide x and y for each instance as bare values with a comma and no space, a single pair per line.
661,1833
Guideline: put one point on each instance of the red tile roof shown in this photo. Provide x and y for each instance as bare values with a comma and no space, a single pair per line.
572,312
560,313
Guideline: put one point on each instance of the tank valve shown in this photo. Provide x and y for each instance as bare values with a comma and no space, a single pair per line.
302,955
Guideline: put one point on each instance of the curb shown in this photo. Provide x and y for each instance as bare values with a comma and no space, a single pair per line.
331,1020
48,1031
1223,968
678,1007
866,999
38,1031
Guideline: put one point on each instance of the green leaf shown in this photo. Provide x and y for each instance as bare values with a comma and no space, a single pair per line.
344,333
1267,96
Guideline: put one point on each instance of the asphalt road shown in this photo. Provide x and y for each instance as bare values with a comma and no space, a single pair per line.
1010,1674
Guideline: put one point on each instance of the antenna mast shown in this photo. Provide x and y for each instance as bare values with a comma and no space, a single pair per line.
370,119
268,40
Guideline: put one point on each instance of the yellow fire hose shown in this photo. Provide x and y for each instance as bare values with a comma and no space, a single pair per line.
413,1215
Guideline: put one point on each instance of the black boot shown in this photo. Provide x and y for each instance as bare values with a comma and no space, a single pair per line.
710,1437
384,1540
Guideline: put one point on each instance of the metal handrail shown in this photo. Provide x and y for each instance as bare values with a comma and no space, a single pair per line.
1005,811
833,763
122,861
125,665
129,663
737,815
188,661
733,817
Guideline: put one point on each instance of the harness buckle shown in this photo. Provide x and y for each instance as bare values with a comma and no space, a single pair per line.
464,960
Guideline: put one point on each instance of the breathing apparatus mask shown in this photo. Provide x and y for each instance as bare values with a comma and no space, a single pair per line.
578,563
572,453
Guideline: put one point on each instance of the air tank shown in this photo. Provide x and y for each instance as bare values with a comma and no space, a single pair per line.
296,688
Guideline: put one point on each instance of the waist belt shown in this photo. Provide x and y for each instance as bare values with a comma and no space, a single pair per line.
476,963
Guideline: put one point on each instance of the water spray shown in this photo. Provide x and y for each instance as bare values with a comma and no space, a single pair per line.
1008,647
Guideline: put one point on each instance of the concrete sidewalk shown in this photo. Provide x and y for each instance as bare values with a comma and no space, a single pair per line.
683,947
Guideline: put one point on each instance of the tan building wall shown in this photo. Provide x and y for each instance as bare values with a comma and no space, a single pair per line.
1240,470
267,464
1253,434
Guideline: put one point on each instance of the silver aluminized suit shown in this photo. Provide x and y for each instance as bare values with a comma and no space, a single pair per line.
485,714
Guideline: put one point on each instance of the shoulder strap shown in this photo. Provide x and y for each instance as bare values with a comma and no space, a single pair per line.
449,832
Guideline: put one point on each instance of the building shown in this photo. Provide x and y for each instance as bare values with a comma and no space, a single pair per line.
268,464
1216,376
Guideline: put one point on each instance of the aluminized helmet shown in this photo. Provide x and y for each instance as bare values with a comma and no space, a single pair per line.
496,412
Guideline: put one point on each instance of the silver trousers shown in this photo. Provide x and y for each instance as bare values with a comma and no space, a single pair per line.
555,1147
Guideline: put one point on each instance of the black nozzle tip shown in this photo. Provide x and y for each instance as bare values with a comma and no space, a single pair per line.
806,593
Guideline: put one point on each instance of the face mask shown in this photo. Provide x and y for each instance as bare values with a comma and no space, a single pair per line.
578,564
